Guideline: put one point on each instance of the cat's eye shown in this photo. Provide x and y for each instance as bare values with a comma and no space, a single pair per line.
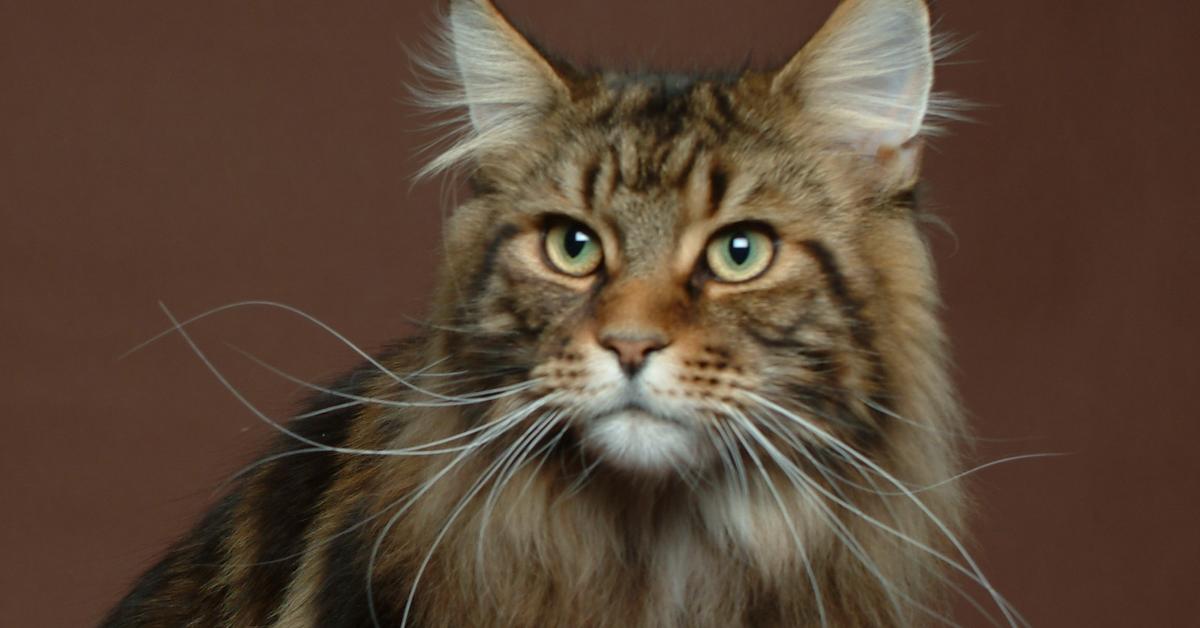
572,248
740,253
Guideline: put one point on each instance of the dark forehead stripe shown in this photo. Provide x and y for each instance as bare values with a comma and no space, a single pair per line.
714,106
718,183
587,188
722,106
659,123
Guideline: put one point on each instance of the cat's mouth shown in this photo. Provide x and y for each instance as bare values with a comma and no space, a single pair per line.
641,412
637,439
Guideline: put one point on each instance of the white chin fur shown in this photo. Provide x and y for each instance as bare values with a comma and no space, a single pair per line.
637,441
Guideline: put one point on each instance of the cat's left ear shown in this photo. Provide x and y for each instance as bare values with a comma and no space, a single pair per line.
500,78
863,83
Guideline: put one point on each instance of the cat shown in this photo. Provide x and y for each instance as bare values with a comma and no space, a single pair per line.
683,368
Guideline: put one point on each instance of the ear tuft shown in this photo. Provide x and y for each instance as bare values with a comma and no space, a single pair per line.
865,79
485,68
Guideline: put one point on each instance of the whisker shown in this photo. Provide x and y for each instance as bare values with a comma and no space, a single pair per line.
492,469
974,572
501,427
812,578
472,398
418,450
178,327
498,427
767,420
971,471
881,525
801,480
261,462
506,475
886,411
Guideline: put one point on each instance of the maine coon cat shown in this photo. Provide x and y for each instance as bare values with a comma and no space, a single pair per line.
683,369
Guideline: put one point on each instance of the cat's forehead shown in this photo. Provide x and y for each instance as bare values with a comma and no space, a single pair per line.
663,106
656,152
648,161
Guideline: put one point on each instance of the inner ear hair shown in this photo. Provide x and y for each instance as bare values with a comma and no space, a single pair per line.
493,74
863,85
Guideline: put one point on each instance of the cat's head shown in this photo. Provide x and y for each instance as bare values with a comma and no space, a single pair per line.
685,265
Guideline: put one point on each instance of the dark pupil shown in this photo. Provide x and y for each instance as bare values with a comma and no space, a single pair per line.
576,240
739,249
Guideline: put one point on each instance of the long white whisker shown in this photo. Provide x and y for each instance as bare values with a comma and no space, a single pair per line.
886,411
884,526
500,427
1005,607
841,500
773,424
178,326
265,461
479,484
471,398
799,478
802,481
973,470
830,473
506,476
787,517
735,459
418,450
292,452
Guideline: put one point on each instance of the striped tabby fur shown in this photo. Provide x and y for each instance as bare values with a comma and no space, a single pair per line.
646,445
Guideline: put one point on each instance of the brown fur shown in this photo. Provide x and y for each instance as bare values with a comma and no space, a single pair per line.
842,329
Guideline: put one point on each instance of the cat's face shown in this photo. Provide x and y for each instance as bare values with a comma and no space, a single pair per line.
668,258
655,268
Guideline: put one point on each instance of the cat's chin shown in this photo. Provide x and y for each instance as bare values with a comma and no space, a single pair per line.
635,440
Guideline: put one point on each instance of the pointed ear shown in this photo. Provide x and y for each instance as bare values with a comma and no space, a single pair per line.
502,81
865,79
502,74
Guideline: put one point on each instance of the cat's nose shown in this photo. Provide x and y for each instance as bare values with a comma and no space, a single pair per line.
632,348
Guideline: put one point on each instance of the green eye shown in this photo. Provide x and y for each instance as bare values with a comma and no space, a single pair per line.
572,248
740,254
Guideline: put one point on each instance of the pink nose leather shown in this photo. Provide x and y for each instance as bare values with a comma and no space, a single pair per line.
632,350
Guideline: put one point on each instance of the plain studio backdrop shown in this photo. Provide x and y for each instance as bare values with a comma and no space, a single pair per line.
200,153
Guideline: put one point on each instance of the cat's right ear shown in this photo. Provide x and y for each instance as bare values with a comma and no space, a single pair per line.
501,80
863,83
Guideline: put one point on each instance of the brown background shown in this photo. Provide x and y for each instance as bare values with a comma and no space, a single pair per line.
200,153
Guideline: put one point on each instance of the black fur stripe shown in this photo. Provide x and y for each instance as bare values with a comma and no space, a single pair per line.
587,191
861,329
718,183
342,601
289,492
503,234
835,281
